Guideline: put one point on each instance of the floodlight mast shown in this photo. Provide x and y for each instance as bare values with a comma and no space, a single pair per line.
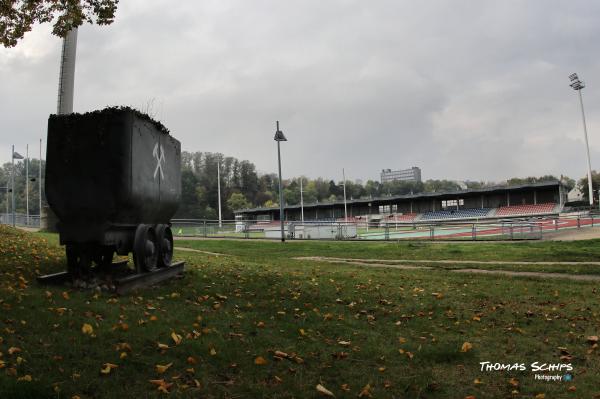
278,138
66,80
577,85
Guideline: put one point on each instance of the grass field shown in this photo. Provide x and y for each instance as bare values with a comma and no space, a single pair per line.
258,323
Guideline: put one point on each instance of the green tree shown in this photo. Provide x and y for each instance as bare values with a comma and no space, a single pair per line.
238,201
582,185
18,16
271,204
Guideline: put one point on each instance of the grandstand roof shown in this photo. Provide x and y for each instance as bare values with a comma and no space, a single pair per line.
396,198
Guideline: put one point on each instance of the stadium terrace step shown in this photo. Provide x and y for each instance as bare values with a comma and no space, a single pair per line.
516,210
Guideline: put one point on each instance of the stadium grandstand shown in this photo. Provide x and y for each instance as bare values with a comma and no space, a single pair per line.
500,202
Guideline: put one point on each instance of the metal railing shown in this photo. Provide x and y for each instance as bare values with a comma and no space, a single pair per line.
532,228
329,230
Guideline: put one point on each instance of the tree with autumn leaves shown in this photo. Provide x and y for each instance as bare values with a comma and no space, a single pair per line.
18,17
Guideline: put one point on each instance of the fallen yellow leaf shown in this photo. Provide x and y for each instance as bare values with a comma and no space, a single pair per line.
13,349
161,369
26,377
107,368
324,391
176,338
191,360
260,361
365,392
87,329
467,346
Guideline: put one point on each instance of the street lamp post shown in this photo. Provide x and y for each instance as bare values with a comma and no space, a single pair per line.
14,155
279,137
577,85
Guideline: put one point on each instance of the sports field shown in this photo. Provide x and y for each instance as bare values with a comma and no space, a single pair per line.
266,319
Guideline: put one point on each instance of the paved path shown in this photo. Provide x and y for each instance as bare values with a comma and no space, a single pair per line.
378,263
460,262
200,251
587,233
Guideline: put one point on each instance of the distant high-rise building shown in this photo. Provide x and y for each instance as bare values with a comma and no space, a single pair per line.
412,174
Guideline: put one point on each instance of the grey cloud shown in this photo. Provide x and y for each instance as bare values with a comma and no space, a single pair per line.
463,89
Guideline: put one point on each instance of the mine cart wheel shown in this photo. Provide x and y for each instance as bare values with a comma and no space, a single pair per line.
145,251
165,247
103,256
79,260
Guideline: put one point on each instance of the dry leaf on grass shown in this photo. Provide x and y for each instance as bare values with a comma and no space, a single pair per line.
467,346
107,368
260,361
176,338
324,391
162,368
87,329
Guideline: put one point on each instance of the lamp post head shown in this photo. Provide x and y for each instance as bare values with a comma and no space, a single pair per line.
279,134
576,84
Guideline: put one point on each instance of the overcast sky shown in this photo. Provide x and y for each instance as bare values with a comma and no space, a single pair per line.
473,90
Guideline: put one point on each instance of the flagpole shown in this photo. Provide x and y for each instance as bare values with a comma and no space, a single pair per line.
27,183
219,189
40,183
12,160
345,207
301,201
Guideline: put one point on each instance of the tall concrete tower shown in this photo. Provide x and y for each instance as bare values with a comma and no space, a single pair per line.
66,81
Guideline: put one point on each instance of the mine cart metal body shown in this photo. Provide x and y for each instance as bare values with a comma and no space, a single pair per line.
113,178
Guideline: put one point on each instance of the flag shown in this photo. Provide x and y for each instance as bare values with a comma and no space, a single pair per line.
16,155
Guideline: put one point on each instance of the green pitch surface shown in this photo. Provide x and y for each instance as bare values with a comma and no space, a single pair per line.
259,323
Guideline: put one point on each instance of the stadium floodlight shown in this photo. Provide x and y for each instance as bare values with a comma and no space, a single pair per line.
577,85
279,137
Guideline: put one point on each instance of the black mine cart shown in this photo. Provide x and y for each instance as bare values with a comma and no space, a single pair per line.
113,178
